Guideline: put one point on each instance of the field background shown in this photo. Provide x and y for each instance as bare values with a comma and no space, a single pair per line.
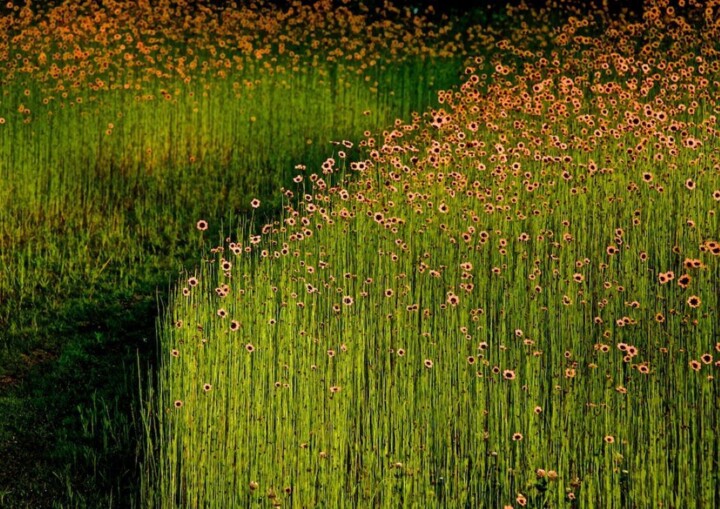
251,256
120,126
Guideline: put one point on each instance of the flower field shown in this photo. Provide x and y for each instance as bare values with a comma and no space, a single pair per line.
413,261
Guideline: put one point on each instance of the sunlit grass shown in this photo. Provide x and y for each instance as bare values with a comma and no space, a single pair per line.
116,133
510,300
123,123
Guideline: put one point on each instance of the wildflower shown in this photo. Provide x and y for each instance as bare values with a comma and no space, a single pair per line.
255,203
517,437
609,439
178,403
335,389
428,363
207,387
250,348
202,225
538,410
509,374
347,300
400,352
706,358
695,365
694,301
691,263
175,353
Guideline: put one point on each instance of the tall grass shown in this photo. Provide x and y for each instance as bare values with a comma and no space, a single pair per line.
509,301
120,125
129,120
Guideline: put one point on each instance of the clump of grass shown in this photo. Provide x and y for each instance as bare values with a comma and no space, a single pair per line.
478,308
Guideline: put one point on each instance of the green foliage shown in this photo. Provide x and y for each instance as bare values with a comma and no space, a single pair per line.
106,165
510,300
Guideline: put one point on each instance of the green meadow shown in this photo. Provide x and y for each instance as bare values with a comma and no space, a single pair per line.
337,256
